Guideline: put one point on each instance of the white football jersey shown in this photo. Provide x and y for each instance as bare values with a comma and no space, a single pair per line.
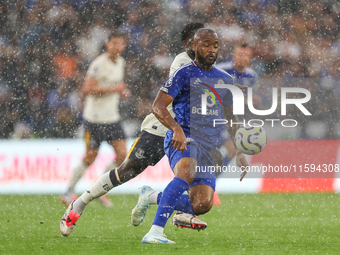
181,59
103,109
151,124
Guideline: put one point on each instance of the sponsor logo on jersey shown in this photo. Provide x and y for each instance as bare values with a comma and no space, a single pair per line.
198,81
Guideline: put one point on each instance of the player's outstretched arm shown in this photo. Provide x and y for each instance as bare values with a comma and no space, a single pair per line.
240,158
159,108
90,87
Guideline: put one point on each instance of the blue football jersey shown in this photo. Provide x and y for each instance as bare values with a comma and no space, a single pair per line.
247,77
192,88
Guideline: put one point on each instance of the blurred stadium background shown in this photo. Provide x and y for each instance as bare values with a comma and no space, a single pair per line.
46,47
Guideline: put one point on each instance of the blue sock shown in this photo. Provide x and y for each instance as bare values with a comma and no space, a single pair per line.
183,203
159,197
171,194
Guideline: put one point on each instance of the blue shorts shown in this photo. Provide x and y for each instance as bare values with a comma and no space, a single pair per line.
204,175
224,136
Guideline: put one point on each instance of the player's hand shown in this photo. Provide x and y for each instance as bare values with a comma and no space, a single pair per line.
242,163
242,87
125,94
119,87
179,140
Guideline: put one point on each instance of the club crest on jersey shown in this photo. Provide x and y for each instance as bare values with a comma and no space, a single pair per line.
168,83
140,153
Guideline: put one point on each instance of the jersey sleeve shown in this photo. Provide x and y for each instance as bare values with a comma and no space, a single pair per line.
173,84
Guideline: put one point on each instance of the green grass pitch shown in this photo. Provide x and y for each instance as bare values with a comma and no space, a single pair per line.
243,224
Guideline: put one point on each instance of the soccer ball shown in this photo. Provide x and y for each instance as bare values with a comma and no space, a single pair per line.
251,140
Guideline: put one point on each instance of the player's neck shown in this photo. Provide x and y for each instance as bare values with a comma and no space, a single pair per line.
203,66
239,68
113,57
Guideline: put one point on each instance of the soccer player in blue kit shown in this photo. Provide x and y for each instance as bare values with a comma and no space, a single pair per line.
239,69
191,135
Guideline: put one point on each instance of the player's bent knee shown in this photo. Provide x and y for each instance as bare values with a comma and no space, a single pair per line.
129,169
89,159
90,155
202,207
121,156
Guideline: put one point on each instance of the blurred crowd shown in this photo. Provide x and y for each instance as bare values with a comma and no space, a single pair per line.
46,47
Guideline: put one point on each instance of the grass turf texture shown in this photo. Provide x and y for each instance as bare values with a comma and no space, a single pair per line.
243,224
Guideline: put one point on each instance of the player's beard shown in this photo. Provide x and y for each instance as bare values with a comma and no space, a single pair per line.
204,61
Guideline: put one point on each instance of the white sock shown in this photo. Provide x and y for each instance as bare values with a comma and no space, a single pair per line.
79,206
158,228
77,174
153,197
112,166
99,188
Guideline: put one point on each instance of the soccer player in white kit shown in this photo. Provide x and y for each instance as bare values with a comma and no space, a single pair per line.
103,87
147,149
